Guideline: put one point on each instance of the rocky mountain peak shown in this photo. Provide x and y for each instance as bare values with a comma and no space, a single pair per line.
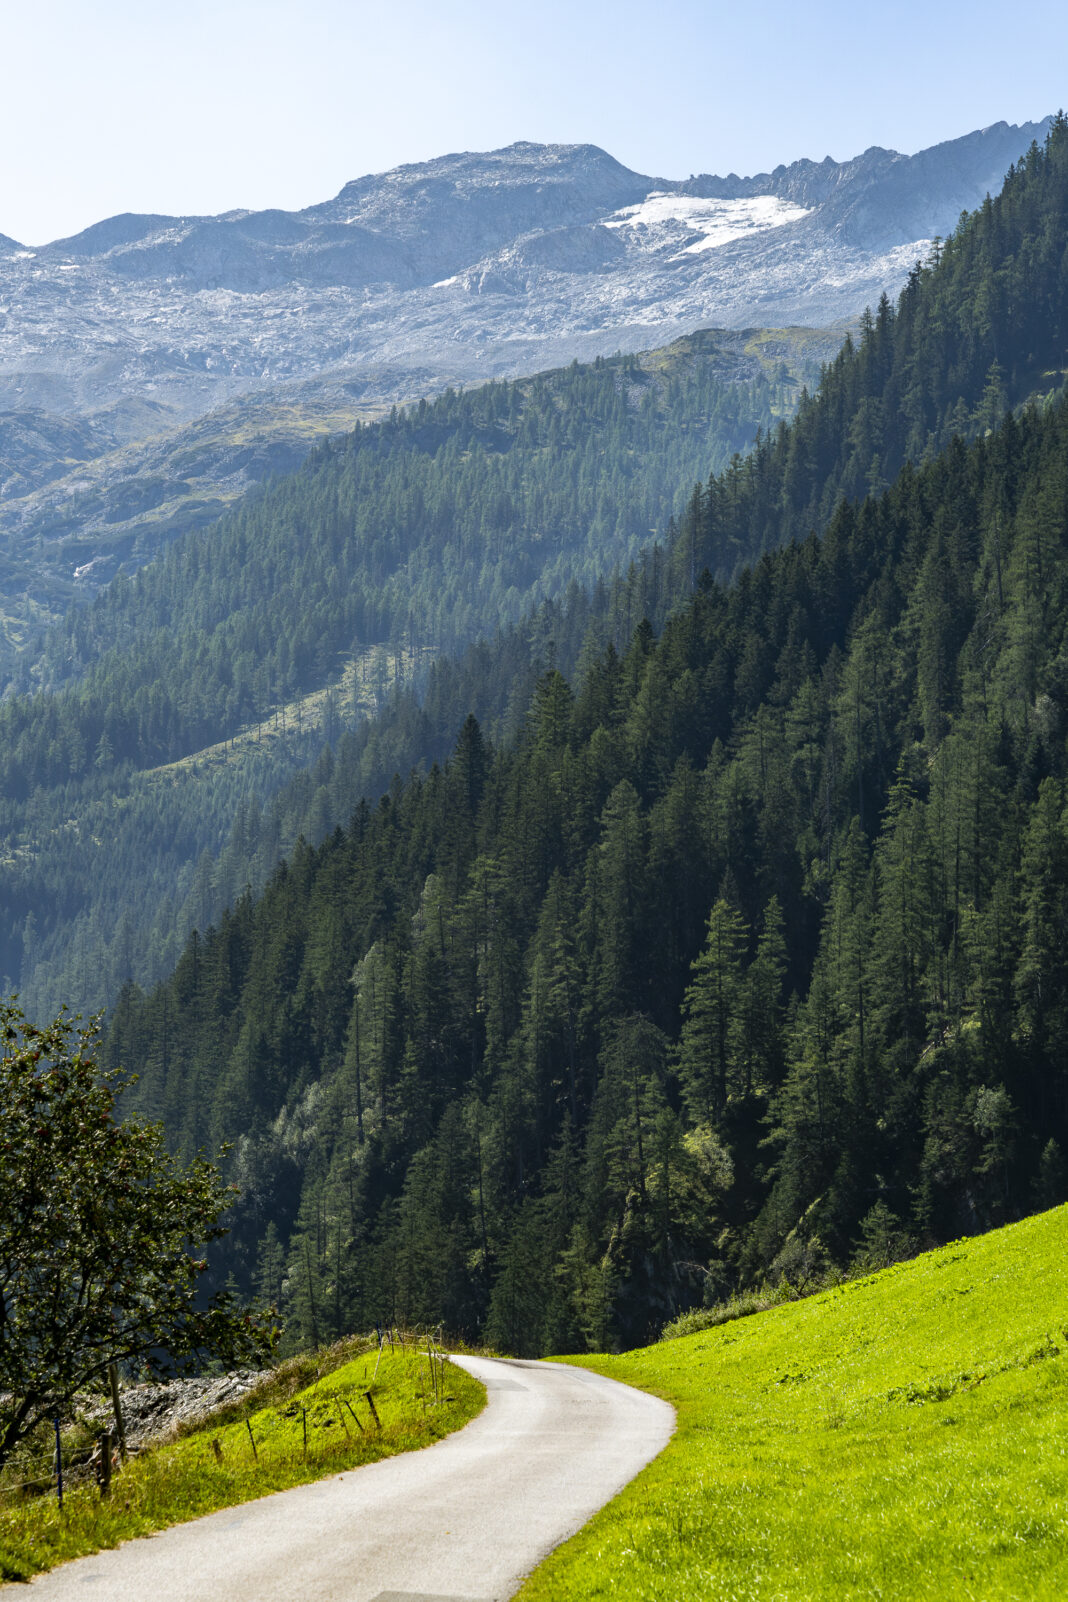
473,264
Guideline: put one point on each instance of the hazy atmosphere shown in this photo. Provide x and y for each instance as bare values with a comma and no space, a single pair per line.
204,107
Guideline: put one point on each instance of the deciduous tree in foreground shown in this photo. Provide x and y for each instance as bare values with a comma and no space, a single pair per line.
101,1233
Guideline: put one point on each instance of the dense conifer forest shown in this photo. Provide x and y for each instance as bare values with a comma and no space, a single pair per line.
731,944
396,543
105,868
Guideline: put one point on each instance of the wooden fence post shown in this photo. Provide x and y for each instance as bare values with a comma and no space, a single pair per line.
116,1402
59,1464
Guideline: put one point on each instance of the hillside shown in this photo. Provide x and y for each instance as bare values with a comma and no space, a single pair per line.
980,326
78,507
77,504
286,623
744,950
900,1436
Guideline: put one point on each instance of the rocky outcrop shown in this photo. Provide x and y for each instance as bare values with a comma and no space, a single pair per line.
154,1411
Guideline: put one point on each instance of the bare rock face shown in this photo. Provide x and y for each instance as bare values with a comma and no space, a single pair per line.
405,228
469,266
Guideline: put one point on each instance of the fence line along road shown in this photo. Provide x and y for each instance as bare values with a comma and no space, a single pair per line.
462,1521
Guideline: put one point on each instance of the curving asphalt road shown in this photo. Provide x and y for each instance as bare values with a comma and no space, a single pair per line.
462,1521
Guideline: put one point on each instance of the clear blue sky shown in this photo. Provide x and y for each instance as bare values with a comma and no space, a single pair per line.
203,105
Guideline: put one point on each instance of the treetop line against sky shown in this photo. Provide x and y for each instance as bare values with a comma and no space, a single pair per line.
209,105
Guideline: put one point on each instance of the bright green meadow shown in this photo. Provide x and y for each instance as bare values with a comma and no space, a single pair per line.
900,1436
214,1465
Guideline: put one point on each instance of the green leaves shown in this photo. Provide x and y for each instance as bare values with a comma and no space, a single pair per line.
96,1219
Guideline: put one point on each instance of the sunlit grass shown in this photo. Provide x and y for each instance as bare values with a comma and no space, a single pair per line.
902,1436
249,1450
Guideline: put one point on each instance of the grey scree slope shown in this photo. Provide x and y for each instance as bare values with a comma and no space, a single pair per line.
462,1521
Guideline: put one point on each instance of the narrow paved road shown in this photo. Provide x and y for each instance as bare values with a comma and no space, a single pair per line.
462,1521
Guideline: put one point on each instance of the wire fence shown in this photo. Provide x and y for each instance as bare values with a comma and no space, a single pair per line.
331,1418
42,1473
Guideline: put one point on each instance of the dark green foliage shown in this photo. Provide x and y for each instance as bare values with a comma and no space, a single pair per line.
637,1000
446,523
733,950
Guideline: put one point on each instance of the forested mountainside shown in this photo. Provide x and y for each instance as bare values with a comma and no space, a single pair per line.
981,325
981,322
444,521
78,505
751,946
398,541
744,956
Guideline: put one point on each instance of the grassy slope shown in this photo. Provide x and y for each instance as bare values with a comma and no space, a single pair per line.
187,1478
902,1436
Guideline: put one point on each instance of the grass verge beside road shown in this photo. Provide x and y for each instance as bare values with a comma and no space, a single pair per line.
901,1436
248,1450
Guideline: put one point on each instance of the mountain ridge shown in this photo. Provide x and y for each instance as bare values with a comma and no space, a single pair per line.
474,265
806,180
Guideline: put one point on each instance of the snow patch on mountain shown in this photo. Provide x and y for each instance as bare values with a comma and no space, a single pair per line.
471,266
716,222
